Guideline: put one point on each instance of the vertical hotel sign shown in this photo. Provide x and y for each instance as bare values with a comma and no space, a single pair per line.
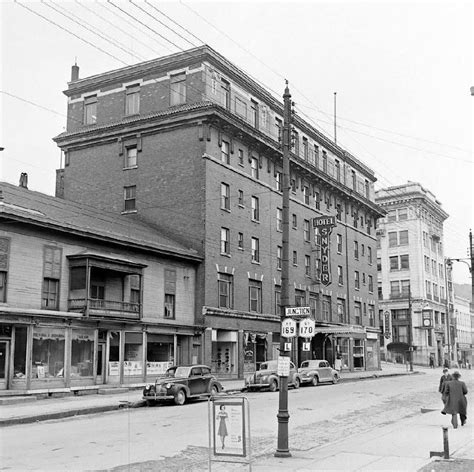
324,226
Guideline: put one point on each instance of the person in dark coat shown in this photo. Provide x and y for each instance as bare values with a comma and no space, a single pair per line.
446,377
456,402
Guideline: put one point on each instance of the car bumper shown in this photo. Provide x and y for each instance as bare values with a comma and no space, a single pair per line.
158,397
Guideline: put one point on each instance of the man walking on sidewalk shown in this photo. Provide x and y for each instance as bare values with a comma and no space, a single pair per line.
456,402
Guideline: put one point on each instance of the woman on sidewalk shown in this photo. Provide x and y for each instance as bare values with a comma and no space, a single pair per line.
456,402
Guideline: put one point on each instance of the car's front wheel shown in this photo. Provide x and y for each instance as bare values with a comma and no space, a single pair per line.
273,386
335,379
314,381
180,397
296,382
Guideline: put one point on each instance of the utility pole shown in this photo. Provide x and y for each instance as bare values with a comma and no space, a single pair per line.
471,268
410,327
283,415
335,132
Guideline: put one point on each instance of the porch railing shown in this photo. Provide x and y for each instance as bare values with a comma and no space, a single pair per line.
105,307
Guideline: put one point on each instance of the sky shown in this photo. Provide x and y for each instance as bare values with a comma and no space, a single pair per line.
402,72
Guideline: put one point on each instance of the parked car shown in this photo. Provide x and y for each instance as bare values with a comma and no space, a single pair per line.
317,371
267,377
181,383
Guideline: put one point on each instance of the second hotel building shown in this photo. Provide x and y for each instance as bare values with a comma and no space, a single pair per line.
191,145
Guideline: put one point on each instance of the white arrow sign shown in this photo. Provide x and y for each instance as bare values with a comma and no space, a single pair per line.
307,328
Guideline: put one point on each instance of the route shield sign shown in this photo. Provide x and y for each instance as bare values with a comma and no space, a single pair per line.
306,328
288,328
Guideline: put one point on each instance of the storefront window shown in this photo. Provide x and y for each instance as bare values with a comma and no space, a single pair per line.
82,353
358,354
114,353
159,353
133,360
19,357
48,353
343,352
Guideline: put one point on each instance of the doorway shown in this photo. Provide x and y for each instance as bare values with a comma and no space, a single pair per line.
4,345
100,379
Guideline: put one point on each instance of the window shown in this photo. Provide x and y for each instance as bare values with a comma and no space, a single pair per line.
225,244
225,157
395,289
433,267
317,200
135,291
131,156
340,277
254,111
224,282
296,143
306,230
367,189
357,313
427,263
178,89
294,221
356,250
357,280
225,93
307,265
379,264
326,308
82,352
371,315
325,161
170,293
341,310
48,352
240,241
362,250
371,284
306,194
402,214
338,170
369,254
132,100
339,243
295,258
405,288
255,209
339,211
240,107
241,198
130,194
225,196
279,129
394,263
300,297
305,149
278,181
403,238
293,185
441,272
51,276
255,250
316,156
277,300
255,296
240,155
428,288
279,219
50,295
380,293
90,110
279,257
392,239
354,180
400,333
254,167
363,278
404,262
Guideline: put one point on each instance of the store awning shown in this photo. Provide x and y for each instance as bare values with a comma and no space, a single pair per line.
338,330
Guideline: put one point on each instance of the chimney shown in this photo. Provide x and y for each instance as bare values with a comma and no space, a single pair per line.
74,73
24,180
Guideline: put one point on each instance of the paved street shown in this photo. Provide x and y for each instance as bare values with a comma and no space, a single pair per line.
176,438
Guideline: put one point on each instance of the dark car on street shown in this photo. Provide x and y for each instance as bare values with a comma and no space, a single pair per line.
317,371
181,383
267,377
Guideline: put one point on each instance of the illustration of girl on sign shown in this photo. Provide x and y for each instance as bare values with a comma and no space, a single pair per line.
222,431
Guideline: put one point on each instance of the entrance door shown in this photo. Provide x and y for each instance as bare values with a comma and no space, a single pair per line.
3,365
100,379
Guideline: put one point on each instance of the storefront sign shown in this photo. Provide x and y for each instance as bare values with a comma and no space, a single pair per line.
132,368
157,368
114,368
49,333
324,225
387,328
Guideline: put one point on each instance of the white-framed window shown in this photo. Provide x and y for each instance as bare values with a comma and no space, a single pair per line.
295,258
369,254
90,110
255,211
254,167
170,294
255,245
279,255
279,219
403,238
278,181
131,154
130,197
255,296
240,156
132,100
306,194
225,196
225,289
339,243
371,284
357,313
306,231
225,155
178,89
225,241
357,280
240,241
241,198
307,265
340,275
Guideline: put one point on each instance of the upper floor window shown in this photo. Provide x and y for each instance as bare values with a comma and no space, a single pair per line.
338,170
294,221
340,277
225,155
278,176
317,200
225,93
325,161
369,254
225,241
130,195
306,230
241,198
90,110
305,149
170,293
132,100
357,280
51,276
367,189
240,155
255,296
4,256
131,156
300,297
371,284
255,209
255,250
356,250
316,156
403,238
341,310
254,111
402,214
279,129
279,219
178,89
279,255
307,265
225,196
354,180
296,142
357,313
240,241
306,194
339,243
225,288
295,258
254,167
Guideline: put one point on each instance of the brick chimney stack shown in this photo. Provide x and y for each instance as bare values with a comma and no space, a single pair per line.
24,180
74,73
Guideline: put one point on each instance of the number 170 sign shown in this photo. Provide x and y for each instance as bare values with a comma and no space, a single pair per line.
307,328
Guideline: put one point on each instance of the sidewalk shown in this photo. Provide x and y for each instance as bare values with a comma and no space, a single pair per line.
30,409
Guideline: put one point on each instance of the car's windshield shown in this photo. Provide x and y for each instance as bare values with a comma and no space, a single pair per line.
182,372
268,365
170,372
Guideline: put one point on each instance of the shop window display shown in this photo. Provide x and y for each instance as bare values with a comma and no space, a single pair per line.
82,353
133,360
48,353
159,353
114,353
19,357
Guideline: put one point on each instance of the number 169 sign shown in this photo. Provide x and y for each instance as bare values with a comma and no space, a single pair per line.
288,328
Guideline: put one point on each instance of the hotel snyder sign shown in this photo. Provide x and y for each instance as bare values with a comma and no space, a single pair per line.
324,226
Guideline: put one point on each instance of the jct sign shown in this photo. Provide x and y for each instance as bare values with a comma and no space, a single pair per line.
324,226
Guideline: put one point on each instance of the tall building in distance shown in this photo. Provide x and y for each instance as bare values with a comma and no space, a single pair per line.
412,282
190,144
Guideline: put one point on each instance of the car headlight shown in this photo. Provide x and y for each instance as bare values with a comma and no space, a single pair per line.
168,385
147,386
264,378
